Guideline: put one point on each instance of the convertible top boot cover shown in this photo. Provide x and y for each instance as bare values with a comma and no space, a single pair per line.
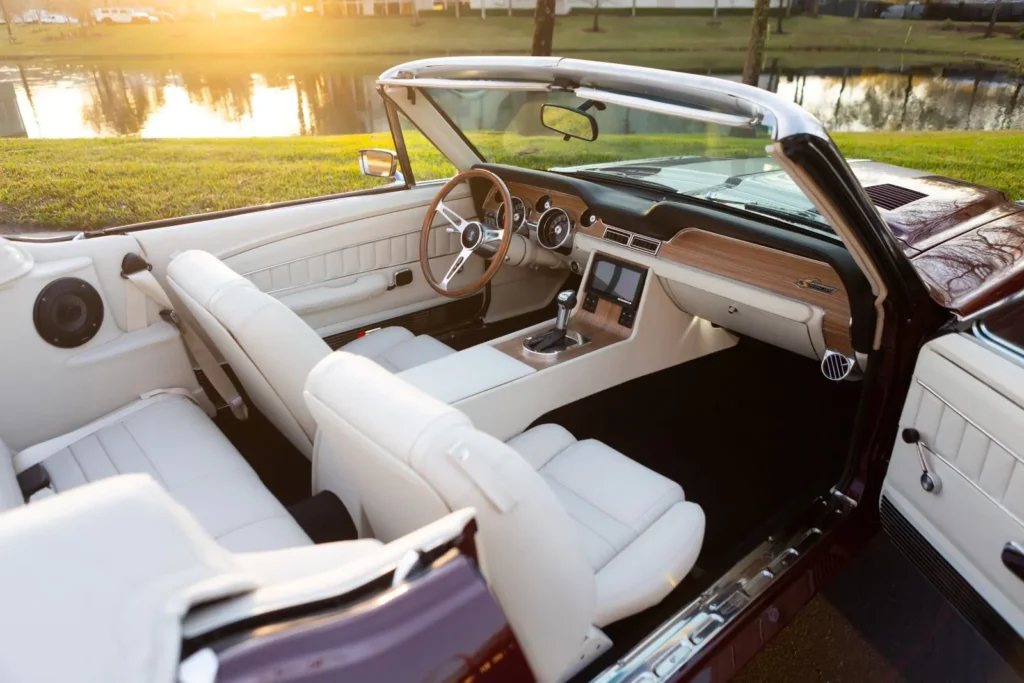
95,582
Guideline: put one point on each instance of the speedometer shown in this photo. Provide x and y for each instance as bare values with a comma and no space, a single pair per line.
554,228
518,214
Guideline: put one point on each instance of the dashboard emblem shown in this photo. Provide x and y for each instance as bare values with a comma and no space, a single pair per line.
815,284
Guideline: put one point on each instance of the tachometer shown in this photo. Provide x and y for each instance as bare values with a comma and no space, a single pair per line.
518,214
554,229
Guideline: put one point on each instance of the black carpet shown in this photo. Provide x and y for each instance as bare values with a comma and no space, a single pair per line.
753,434
281,467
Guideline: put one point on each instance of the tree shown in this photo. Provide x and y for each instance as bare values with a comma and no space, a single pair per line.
992,19
714,14
596,28
755,46
856,9
543,28
778,19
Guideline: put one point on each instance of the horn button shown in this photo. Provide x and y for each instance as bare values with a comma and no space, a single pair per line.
472,236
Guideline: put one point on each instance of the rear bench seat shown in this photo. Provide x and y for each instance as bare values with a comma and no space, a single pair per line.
171,439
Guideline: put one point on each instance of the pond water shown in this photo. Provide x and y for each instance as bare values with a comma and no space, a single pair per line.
226,99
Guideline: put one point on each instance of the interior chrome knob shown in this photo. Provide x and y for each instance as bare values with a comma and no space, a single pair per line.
566,302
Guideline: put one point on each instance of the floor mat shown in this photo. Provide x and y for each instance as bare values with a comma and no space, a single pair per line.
753,434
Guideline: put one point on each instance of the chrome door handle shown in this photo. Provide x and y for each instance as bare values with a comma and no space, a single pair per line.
930,481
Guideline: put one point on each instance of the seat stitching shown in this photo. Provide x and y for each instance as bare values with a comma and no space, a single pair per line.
152,463
650,507
234,466
583,524
71,454
586,500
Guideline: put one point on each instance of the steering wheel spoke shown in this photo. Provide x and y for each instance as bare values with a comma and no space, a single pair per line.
458,223
491,235
456,266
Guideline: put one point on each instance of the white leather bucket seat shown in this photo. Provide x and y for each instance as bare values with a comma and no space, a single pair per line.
573,535
171,439
269,347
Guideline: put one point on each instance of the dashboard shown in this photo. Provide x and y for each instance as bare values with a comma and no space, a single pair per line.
744,273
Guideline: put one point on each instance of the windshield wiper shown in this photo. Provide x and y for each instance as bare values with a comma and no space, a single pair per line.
625,180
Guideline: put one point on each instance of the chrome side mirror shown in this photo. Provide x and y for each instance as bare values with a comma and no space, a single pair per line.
379,163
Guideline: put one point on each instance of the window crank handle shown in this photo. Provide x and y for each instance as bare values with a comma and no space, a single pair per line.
930,481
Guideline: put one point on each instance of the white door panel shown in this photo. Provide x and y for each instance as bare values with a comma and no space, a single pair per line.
327,260
49,390
967,403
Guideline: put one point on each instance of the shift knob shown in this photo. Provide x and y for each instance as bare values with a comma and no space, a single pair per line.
566,302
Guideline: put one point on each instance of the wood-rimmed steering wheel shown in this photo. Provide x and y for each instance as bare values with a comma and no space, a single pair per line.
474,237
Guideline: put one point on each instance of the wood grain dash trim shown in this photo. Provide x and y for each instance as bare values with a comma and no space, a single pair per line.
769,269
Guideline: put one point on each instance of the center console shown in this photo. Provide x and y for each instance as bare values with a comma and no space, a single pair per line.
610,300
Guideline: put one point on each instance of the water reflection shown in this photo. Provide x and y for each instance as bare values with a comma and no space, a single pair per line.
53,100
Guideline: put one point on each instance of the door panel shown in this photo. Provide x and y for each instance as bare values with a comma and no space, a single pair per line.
331,261
967,403
49,390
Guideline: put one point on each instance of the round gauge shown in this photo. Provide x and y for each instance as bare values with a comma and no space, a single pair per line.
518,214
543,204
554,228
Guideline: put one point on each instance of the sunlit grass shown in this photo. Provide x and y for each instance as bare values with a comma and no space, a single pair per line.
624,39
90,184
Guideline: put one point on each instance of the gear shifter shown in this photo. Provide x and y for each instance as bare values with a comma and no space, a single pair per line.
556,340
566,302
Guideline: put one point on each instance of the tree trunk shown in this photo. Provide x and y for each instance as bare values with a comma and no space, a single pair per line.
992,19
510,8
543,28
10,32
778,18
814,8
596,28
755,46
856,9
633,13
714,14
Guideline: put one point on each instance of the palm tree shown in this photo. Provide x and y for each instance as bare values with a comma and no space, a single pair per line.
543,28
755,46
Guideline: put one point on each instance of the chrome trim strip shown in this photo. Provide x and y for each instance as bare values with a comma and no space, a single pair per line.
659,107
956,470
450,84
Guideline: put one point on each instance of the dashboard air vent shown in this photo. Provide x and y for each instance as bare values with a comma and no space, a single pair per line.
644,244
892,197
616,236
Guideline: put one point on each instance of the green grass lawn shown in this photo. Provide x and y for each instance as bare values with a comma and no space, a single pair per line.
622,38
90,184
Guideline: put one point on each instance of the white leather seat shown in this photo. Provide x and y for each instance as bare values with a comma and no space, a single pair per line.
573,535
171,439
638,534
269,347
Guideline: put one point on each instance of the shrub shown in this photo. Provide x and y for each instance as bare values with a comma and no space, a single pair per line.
947,25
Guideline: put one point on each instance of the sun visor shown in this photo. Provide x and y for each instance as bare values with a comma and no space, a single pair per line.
14,262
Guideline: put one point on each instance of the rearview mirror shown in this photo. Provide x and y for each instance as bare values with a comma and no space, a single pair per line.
378,163
572,123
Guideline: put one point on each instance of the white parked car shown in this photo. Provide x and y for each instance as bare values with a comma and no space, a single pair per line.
123,15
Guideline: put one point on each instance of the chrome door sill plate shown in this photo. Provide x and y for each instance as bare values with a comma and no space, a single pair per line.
675,642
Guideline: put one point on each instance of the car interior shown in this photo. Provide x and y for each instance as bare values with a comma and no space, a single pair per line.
641,394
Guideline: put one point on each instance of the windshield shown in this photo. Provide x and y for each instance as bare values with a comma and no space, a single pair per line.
722,164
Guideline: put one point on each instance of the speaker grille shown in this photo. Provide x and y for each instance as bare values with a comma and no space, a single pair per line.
68,312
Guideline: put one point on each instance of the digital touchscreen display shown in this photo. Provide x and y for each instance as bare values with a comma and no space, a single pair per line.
616,282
